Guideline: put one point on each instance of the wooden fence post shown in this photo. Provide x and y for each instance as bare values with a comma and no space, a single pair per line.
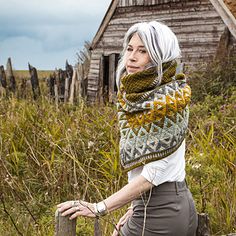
56,95
61,84
3,77
10,76
69,72
34,81
72,88
203,228
64,226
79,81
51,83
66,94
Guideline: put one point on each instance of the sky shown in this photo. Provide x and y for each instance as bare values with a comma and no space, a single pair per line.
46,33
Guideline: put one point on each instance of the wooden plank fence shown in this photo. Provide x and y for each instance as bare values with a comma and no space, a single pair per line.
69,85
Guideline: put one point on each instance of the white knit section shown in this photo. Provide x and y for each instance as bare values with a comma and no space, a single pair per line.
169,169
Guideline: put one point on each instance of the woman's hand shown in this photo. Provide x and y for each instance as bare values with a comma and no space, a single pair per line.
122,221
76,208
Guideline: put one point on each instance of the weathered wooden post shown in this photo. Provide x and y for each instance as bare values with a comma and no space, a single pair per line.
68,79
34,81
10,76
66,94
22,92
61,84
79,82
64,226
69,72
112,78
72,90
3,80
56,85
100,96
203,228
97,230
51,84
85,87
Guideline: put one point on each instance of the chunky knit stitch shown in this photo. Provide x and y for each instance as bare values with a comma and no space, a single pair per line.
153,116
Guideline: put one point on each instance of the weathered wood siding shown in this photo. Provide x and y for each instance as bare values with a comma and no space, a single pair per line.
195,22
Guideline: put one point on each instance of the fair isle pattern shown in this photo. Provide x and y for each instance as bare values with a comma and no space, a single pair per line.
153,122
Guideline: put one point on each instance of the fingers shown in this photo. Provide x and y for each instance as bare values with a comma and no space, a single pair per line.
70,211
76,208
122,221
115,233
75,215
63,207
124,218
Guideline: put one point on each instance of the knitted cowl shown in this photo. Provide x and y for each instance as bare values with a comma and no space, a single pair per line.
153,115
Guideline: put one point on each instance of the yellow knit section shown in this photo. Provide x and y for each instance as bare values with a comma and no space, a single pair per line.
161,109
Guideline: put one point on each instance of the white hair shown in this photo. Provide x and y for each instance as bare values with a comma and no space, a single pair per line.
158,39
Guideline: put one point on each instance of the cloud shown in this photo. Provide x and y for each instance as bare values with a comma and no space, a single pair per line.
57,11
32,51
49,29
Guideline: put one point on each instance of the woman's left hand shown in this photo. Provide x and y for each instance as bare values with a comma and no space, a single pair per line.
76,208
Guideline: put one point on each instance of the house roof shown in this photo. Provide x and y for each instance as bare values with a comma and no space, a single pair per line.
231,4
105,22
225,8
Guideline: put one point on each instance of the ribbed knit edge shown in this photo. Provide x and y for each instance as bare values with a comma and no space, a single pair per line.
154,156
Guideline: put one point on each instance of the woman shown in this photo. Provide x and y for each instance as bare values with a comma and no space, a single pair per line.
153,117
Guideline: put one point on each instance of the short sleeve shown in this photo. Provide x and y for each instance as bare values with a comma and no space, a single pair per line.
155,171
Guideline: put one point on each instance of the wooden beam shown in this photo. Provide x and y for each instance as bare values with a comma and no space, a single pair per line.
226,15
100,83
112,76
105,22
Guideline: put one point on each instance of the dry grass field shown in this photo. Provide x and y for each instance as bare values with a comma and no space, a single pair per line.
20,74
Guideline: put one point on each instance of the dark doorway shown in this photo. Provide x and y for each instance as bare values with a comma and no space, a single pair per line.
105,85
109,88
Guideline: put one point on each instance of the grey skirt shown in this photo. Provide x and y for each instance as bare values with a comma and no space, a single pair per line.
169,211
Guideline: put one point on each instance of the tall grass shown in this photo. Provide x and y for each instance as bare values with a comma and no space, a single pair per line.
49,155
211,166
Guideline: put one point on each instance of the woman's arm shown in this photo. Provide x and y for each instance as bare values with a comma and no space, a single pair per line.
128,193
125,195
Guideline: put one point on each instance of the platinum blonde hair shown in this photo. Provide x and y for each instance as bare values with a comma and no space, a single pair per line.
158,39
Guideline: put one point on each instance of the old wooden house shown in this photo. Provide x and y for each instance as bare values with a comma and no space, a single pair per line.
203,27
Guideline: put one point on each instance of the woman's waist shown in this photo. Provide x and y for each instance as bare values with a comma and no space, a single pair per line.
165,189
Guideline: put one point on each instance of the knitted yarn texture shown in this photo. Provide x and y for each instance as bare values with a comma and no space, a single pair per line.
153,116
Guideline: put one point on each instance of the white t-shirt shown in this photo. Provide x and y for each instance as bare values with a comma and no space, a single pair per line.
168,169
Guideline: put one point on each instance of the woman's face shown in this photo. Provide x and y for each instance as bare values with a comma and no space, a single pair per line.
136,56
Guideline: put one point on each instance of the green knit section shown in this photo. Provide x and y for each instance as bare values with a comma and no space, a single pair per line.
136,85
